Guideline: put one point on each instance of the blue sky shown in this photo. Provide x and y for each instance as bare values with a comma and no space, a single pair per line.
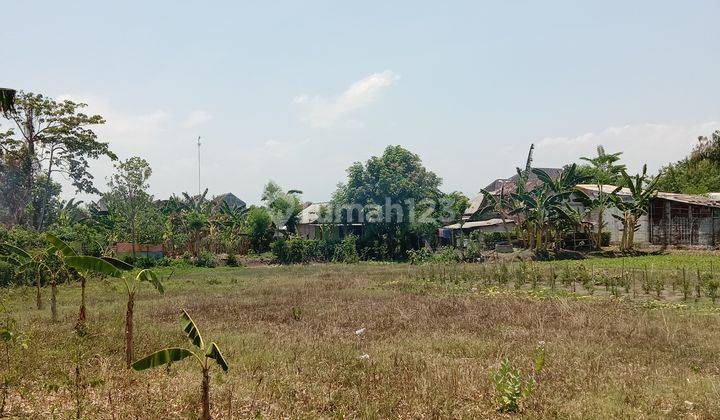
297,91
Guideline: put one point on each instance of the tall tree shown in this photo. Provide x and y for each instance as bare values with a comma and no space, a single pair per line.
54,137
391,187
698,173
130,201
284,207
603,168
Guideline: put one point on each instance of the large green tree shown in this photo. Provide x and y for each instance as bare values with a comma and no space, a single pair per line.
136,217
284,207
398,195
698,173
52,137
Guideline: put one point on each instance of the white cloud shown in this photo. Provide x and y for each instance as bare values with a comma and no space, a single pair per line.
651,143
282,149
120,127
196,118
321,112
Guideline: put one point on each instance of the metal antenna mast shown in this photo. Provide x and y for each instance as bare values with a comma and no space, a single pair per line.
198,144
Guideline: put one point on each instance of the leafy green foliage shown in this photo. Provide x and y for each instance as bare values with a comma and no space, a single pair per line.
213,352
191,330
60,136
511,388
162,357
698,173
95,265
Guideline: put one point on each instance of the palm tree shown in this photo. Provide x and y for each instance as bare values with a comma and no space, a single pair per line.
33,265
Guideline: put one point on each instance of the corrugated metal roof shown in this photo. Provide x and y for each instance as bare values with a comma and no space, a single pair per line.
482,223
509,184
698,200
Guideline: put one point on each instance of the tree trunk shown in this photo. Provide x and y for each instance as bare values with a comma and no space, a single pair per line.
205,395
81,316
134,237
598,238
29,159
631,233
53,300
129,330
39,294
46,195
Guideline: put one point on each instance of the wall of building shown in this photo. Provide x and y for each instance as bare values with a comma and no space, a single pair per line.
615,227
675,223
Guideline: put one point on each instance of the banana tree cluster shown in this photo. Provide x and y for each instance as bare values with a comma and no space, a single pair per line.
203,354
544,213
642,189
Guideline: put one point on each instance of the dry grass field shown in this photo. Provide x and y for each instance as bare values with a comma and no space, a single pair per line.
288,334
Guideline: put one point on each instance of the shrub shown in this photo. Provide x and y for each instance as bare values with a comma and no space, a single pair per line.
281,251
145,262
7,273
346,251
205,259
296,250
419,256
232,260
510,387
492,238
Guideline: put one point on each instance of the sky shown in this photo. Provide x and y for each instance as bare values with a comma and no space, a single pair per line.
298,91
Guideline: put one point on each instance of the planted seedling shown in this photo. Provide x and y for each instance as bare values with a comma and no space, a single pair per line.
203,357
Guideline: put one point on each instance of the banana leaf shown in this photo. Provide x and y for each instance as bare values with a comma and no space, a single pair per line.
162,357
188,325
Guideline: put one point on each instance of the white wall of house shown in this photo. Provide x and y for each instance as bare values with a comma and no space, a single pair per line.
614,226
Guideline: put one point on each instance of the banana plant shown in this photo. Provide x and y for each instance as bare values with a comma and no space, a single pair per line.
67,254
131,286
203,355
28,264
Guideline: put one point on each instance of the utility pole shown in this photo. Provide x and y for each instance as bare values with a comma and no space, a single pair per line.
198,144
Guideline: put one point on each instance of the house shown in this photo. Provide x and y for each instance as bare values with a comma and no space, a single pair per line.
230,199
507,185
317,221
672,219
449,233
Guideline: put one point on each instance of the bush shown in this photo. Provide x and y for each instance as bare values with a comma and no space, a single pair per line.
232,260
446,254
7,274
346,251
419,256
492,238
145,262
205,259
296,250
510,387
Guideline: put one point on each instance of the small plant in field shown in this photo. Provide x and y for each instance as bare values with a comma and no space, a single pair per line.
711,285
511,388
502,274
11,338
539,357
535,277
686,286
658,285
203,357
521,275
297,313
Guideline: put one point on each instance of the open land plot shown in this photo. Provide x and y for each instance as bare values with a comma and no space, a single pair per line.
288,334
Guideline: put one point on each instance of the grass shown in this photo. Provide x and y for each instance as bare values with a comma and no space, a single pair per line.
431,347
